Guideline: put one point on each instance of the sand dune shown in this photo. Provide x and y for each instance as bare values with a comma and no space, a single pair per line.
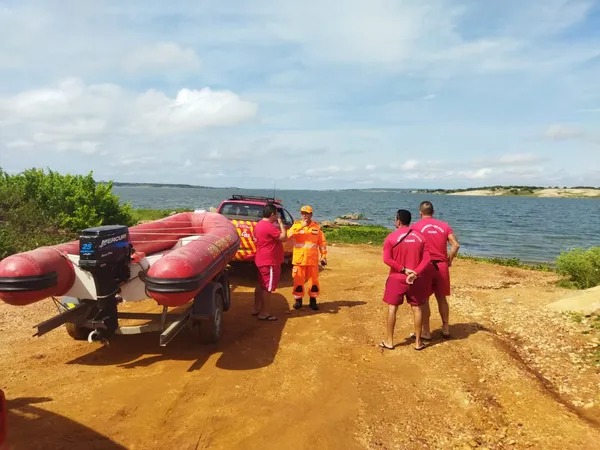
547,192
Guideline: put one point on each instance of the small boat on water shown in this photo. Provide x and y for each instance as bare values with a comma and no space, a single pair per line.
170,260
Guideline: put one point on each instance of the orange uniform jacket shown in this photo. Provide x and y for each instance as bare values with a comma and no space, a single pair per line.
308,242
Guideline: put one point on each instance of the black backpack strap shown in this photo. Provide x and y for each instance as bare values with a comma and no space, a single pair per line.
402,238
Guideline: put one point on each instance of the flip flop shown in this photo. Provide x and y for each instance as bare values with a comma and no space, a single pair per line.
446,335
420,348
268,318
385,346
423,338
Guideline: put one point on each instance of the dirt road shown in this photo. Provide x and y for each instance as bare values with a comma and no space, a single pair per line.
516,375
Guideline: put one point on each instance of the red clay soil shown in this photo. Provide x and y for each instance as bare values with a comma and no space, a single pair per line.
515,375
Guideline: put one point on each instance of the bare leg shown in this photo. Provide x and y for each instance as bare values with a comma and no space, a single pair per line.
258,300
391,325
444,310
426,329
418,318
264,307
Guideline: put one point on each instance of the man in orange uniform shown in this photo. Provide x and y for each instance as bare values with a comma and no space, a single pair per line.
310,248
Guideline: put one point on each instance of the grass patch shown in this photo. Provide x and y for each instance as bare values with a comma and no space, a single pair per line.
508,262
591,327
154,214
356,234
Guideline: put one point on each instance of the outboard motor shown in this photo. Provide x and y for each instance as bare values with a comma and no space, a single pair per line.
105,252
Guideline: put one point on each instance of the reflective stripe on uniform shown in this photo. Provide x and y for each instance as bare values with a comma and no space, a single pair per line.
305,245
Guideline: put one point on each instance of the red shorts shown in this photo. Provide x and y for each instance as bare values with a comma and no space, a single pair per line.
439,273
396,289
268,277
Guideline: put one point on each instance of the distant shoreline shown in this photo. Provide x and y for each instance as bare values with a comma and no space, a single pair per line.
587,192
491,191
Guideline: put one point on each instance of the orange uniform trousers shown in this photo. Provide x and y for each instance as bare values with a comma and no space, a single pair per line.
302,274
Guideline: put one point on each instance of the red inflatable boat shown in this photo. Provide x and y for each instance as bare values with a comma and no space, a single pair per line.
174,257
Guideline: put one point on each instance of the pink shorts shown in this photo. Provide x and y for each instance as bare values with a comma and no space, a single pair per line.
268,277
439,274
396,289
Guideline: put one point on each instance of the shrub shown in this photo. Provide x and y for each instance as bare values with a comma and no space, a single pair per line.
43,208
582,266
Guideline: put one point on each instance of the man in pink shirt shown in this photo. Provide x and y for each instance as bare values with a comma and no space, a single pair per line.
438,234
405,252
268,259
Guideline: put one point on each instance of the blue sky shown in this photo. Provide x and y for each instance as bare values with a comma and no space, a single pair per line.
304,95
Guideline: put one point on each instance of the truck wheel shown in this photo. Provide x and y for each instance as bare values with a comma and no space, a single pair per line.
210,330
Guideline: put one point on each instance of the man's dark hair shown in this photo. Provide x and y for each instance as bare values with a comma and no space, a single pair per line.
268,210
403,216
426,208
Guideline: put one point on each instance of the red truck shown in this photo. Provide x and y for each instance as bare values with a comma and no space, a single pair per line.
245,211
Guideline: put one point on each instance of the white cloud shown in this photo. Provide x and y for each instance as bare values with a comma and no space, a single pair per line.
560,132
86,147
19,143
511,160
517,158
155,112
330,170
410,164
162,56
78,117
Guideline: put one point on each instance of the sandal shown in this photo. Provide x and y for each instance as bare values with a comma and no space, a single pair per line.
424,338
268,318
385,346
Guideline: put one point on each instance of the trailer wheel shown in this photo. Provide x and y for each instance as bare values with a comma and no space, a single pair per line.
210,329
227,292
76,332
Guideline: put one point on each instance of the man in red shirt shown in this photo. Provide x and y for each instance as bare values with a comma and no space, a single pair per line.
405,252
269,256
438,234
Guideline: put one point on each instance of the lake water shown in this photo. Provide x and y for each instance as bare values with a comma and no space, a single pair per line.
528,228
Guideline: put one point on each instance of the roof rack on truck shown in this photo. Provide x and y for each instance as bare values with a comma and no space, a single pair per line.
255,197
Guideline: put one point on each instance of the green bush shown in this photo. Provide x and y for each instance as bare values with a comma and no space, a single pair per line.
581,266
43,208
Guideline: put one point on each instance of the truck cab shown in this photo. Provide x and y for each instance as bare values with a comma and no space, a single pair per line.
244,211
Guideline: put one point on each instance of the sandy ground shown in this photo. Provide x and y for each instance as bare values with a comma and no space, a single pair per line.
515,375
548,192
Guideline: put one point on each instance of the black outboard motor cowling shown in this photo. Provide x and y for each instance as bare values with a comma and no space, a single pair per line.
105,252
